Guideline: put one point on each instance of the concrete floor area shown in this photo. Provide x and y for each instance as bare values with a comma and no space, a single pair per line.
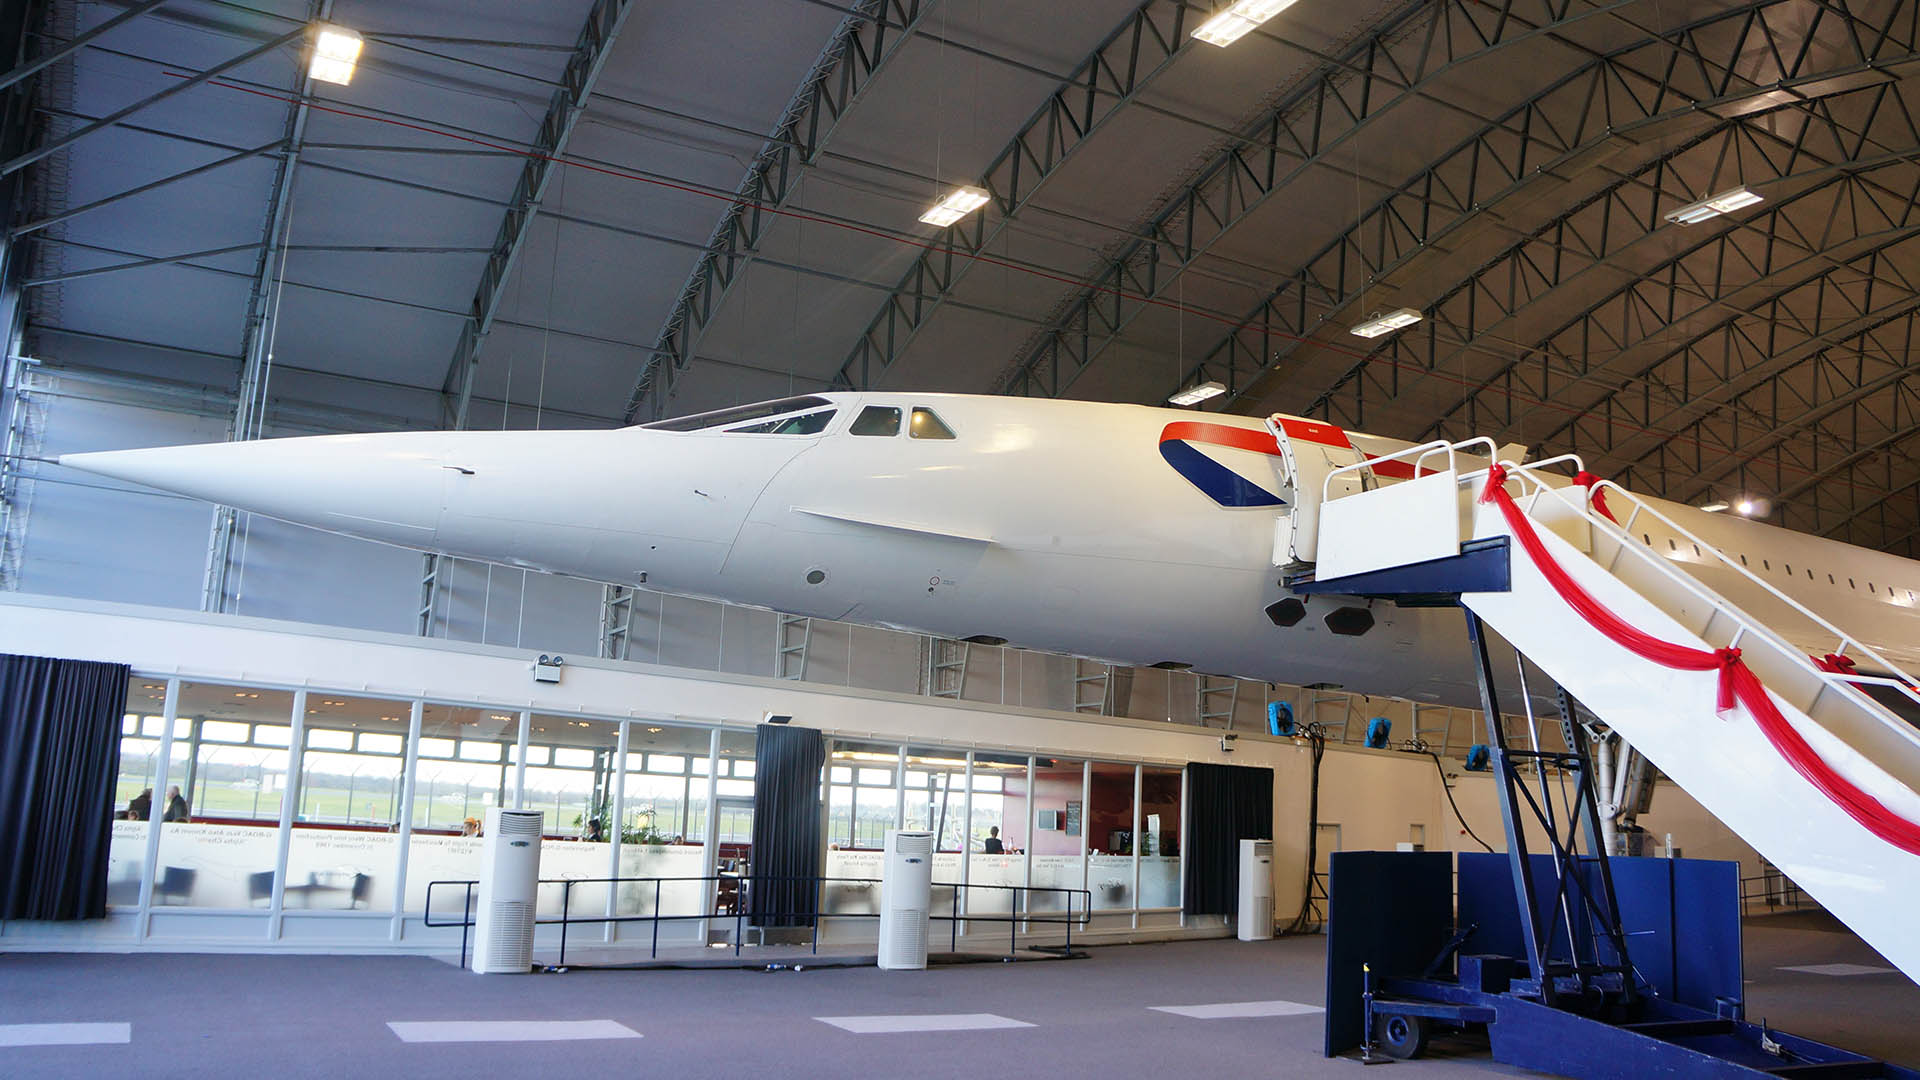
191,1015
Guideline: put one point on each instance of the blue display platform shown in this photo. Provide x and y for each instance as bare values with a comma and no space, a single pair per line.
1445,948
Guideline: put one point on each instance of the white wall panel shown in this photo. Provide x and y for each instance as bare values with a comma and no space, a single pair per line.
98,539
292,572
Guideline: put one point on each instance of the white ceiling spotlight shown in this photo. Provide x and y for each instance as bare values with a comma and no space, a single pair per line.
1714,205
336,49
1232,22
1194,395
1745,507
1380,324
959,204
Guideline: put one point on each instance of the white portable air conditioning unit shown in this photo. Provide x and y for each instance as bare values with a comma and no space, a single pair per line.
906,891
1256,890
509,888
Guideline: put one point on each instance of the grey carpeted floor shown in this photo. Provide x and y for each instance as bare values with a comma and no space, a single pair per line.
326,1016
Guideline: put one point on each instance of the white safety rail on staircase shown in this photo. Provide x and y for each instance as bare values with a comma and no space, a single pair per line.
1726,762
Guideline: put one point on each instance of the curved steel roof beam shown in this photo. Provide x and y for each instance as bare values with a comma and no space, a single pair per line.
1864,499
1724,364
1298,133
1907,541
1574,117
854,55
1854,378
1107,80
1712,269
564,109
1814,386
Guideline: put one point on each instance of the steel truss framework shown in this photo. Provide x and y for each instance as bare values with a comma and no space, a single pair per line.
1735,61
1819,287
590,54
563,113
859,48
250,399
1397,62
1807,228
1108,79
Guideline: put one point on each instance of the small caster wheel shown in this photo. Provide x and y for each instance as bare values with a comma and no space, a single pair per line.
1400,1037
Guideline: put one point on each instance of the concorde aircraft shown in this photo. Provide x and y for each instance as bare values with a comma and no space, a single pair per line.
1136,535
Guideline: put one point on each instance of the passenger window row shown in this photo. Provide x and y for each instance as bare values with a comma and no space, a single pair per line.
1893,594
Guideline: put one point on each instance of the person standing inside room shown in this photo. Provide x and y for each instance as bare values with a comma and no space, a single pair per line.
991,845
140,807
176,805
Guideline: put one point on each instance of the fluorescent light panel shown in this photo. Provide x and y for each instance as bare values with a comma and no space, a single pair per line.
959,204
1713,206
1194,395
1233,22
1388,323
336,50
1714,507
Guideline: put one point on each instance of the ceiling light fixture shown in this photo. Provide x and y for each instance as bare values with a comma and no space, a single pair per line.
1233,22
1745,507
1713,206
1194,395
959,204
1386,324
336,50
1714,507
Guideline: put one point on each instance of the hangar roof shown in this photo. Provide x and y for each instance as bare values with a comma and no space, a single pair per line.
592,212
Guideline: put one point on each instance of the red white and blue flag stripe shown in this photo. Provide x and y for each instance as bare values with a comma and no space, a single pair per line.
1181,440
1180,444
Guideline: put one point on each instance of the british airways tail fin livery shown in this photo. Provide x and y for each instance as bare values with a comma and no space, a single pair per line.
1124,533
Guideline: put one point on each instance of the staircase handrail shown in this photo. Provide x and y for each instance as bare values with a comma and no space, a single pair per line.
1420,454
1622,531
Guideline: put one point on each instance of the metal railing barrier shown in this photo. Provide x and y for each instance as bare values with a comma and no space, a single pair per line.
1020,910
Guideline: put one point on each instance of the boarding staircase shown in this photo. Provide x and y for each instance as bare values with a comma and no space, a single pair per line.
1842,823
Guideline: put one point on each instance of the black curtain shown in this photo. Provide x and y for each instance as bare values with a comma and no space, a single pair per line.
59,756
1225,805
786,824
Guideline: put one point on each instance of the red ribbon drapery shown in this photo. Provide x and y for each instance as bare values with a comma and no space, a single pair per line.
1837,663
1599,498
1737,682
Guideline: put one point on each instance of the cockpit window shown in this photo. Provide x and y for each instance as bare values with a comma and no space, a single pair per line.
741,414
925,425
877,420
812,423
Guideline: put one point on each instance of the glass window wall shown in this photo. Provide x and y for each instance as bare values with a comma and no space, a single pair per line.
664,819
997,832
1159,840
220,812
463,767
575,791
1109,822
133,788
1057,814
936,800
1011,820
863,802
343,853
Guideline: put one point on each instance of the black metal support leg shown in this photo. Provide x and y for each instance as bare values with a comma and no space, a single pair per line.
1509,809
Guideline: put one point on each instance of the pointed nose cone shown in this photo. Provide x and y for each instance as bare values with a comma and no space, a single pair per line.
389,487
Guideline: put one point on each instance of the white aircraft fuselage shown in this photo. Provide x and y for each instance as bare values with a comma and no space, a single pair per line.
1124,533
